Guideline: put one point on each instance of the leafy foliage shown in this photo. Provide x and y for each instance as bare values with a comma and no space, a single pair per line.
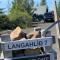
58,10
19,15
20,12
43,2
4,21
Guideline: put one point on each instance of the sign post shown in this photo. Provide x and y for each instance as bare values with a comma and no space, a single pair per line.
28,44
10,46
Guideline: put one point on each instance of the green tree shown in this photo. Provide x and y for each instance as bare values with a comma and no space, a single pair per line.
29,5
4,21
43,2
1,18
1,12
20,11
58,10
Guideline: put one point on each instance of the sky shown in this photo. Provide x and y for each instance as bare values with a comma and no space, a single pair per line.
7,3
49,3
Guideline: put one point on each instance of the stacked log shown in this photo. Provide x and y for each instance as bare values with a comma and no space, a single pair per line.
17,34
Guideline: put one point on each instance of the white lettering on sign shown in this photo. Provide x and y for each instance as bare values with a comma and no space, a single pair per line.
28,44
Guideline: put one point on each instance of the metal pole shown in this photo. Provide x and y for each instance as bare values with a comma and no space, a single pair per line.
51,26
56,19
57,25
